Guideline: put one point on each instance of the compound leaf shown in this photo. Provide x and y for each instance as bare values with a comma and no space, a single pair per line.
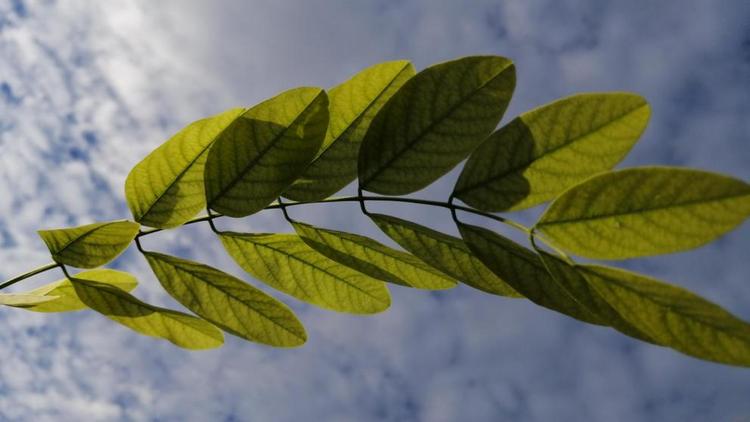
433,122
66,298
286,263
180,329
267,149
373,258
228,302
645,211
673,316
91,245
525,272
353,105
166,188
443,252
544,151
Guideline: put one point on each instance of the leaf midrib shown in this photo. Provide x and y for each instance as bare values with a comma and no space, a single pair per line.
429,127
690,203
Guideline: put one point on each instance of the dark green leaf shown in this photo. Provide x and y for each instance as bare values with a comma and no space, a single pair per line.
433,122
525,272
568,276
446,253
267,149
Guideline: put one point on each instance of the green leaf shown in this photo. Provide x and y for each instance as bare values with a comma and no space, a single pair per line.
674,316
24,300
183,330
353,105
568,276
228,302
166,188
433,122
91,245
373,258
67,299
268,149
286,263
446,253
525,272
544,151
645,211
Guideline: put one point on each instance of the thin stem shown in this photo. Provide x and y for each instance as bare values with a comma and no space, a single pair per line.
29,274
360,198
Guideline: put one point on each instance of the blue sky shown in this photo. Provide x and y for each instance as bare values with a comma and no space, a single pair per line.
87,88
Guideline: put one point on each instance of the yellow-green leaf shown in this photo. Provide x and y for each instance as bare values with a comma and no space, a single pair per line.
673,316
373,258
180,329
525,272
91,245
544,151
433,122
24,300
645,211
286,263
67,299
568,276
166,188
228,302
267,149
443,252
353,105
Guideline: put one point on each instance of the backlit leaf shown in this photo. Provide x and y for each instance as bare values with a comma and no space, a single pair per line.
91,245
544,151
433,122
569,277
183,330
353,105
24,300
373,258
166,188
267,149
444,252
674,316
67,299
228,302
525,272
645,211
286,263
